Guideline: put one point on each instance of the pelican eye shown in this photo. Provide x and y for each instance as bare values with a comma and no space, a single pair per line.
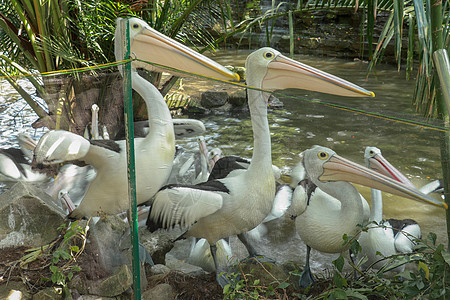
268,55
322,155
371,153
135,26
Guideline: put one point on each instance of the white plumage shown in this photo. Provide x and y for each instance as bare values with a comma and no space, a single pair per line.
390,237
108,192
239,202
333,206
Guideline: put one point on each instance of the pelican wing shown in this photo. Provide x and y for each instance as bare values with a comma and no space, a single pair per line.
299,200
8,167
281,203
57,146
184,205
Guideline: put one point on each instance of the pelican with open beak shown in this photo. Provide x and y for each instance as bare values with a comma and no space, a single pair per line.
108,192
332,206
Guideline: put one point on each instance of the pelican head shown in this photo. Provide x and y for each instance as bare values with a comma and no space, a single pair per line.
324,164
57,146
276,71
150,45
375,161
26,144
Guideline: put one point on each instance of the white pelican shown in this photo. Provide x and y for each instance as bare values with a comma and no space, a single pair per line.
200,254
390,237
92,131
182,127
14,163
108,192
326,219
239,202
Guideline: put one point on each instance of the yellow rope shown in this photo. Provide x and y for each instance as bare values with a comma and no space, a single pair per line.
336,106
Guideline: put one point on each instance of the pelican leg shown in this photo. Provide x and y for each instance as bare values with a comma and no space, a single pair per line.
221,278
252,254
306,279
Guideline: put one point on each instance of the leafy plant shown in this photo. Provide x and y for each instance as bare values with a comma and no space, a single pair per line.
245,285
63,262
57,260
45,36
429,278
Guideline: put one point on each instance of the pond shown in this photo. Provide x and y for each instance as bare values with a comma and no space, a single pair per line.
301,124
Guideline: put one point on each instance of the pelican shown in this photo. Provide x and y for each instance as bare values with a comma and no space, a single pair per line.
240,201
390,237
200,254
92,132
183,128
325,219
14,164
108,192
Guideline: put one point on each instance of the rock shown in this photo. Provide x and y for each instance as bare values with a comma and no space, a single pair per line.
79,285
14,290
111,243
47,294
114,285
178,265
160,292
28,217
274,102
237,97
158,243
159,269
213,99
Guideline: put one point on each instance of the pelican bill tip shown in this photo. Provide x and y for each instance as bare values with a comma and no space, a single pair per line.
372,94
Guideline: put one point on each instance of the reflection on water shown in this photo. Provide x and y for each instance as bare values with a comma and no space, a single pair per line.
300,125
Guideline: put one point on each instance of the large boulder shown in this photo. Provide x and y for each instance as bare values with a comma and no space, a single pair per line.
110,242
28,217
214,99
116,284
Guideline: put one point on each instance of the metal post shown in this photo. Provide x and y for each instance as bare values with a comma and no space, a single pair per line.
129,136
291,34
442,64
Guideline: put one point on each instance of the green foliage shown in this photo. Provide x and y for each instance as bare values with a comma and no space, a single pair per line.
245,286
44,36
58,260
64,257
427,277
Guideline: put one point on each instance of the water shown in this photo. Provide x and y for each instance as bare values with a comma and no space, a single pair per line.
300,125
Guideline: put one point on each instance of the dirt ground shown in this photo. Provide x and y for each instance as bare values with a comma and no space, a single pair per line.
36,275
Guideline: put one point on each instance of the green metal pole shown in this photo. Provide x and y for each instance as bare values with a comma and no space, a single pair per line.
129,136
291,34
442,64
437,40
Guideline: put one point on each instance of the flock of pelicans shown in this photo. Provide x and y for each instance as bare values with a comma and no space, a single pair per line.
236,195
